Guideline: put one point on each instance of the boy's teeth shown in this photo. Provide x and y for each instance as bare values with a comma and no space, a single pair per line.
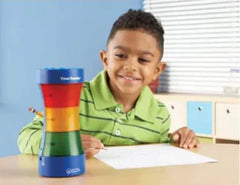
129,78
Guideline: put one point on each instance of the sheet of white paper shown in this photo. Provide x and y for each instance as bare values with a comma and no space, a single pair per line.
141,156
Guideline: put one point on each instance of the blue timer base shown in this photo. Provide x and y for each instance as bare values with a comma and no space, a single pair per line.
62,166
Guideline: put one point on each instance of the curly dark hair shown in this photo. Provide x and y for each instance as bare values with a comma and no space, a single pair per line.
138,19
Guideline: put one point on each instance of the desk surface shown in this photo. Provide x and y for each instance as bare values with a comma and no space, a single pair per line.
23,169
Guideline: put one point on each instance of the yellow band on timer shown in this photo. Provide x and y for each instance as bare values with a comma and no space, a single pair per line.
62,119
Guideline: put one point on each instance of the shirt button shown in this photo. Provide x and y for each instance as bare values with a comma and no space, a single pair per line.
117,109
119,120
117,132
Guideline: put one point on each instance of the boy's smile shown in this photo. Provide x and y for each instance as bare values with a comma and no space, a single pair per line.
132,61
129,79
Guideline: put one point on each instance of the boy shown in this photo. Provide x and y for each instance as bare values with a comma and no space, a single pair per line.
117,107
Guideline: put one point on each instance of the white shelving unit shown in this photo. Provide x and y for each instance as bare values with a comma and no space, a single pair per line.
225,115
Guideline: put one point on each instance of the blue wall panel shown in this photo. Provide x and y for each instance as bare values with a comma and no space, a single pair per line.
36,34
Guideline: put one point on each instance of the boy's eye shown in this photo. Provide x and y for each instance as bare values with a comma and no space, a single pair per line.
143,60
120,55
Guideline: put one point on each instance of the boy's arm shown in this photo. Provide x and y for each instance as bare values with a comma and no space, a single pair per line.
29,138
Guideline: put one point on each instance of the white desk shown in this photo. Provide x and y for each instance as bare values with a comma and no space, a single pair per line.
23,170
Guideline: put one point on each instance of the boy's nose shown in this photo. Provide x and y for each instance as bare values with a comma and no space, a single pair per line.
130,66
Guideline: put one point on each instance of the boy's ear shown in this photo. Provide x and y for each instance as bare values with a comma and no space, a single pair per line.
103,56
160,68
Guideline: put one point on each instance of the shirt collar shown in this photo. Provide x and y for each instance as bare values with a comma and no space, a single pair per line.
102,95
146,106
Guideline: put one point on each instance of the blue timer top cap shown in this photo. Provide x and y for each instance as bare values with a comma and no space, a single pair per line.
61,75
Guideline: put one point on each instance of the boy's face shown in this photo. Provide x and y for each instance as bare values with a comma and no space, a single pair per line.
132,61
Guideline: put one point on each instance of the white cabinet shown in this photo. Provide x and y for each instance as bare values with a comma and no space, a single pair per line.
227,121
177,110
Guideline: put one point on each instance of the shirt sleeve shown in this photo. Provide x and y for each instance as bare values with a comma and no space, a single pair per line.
29,138
164,135
165,125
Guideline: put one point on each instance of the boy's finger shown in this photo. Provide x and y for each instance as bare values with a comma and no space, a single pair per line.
89,138
194,143
183,136
176,137
189,139
92,144
91,152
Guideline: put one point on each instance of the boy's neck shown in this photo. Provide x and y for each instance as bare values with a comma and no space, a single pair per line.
128,101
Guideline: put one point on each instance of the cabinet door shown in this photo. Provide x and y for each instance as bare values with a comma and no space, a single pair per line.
227,121
177,110
199,117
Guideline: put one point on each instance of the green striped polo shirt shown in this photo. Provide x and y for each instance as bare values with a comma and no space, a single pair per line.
101,116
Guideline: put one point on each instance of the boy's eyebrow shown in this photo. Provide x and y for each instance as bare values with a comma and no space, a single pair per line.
121,47
127,49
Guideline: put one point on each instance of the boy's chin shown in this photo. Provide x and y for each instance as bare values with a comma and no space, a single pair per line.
131,91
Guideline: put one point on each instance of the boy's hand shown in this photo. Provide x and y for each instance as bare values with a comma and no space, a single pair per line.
186,138
91,145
